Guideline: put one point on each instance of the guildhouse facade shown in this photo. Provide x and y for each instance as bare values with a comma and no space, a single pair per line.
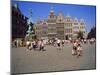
59,27
41,29
51,21
68,27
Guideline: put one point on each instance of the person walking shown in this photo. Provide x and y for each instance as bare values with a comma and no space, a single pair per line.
74,50
28,44
58,44
39,45
42,45
34,44
63,43
79,50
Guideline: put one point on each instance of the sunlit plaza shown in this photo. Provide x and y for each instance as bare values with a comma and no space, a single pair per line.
25,61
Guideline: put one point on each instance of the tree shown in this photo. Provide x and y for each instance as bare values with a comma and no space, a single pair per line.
80,35
92,33
35,37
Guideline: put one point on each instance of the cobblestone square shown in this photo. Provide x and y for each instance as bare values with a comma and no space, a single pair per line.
26,61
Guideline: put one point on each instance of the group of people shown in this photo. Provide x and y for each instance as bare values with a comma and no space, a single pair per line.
34,44
18,43
77,48
88,41
39,44
56,43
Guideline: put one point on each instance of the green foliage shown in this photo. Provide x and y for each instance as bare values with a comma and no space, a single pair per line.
35,37
80,35
92,33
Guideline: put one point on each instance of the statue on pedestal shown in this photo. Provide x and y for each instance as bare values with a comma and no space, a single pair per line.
30,32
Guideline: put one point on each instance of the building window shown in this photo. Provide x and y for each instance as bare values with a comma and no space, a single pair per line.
76,27
75,32
75,23
82,23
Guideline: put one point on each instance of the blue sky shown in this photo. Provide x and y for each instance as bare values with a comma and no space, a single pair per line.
41,10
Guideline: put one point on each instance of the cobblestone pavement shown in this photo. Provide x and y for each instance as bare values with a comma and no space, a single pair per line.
25,61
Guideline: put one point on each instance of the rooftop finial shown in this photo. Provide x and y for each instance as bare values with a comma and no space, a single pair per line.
82,20
52,9
68,15
75,19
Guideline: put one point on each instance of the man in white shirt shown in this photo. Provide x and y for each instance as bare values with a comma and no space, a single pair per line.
58,44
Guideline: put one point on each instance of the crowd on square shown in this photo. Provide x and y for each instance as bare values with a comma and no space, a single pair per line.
40,44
